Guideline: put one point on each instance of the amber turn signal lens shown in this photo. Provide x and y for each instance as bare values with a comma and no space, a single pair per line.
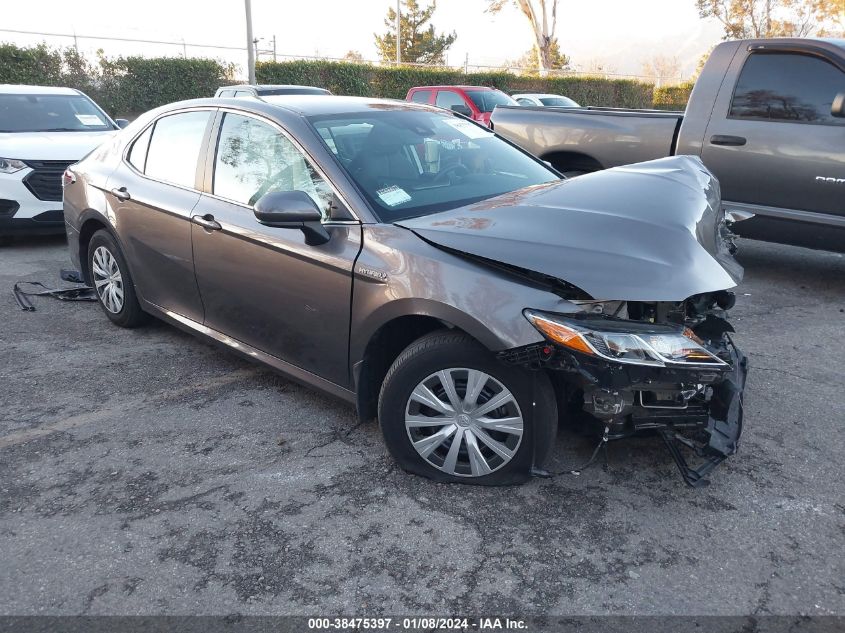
561,334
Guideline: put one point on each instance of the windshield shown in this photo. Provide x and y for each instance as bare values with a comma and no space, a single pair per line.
558,101
51,113
486,100
410,163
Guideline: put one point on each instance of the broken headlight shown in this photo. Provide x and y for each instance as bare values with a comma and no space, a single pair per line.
621,341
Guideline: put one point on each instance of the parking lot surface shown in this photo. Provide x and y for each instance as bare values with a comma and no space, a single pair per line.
148,472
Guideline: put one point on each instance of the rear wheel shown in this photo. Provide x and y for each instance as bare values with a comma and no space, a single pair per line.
451,412
112,281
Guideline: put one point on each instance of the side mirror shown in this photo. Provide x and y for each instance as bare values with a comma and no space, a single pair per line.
838,107
122,123
461,109
292,210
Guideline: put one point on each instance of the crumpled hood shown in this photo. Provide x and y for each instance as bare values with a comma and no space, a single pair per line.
643,232
51,145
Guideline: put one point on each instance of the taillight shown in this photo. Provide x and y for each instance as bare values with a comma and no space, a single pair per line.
68,178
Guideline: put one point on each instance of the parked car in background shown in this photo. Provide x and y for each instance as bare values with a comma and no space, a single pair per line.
476,102
260,90
547,100
42,131
767,117
413,263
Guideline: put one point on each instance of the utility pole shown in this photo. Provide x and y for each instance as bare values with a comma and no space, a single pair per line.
250,51
398,32
274,47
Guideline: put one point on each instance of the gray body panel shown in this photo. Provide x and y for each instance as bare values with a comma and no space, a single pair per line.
647,232
784,171
607,136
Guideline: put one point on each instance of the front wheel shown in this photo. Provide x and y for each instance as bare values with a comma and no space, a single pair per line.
451,412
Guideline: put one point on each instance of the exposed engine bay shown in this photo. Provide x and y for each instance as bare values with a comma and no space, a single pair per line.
665,367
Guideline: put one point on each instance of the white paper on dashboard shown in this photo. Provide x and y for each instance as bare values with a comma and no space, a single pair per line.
89,119
391,196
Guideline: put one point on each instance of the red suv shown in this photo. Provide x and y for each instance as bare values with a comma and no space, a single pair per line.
473,101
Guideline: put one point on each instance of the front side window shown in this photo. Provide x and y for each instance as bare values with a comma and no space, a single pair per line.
254,158
486,100
51,113
175,148
787,87
226,93
414,162
421,96
447,98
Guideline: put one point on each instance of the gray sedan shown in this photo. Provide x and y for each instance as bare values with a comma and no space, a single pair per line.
411,262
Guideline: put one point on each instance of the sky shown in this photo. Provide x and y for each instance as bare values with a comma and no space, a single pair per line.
621,34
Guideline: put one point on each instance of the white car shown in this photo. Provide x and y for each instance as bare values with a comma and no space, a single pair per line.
545,100
42,131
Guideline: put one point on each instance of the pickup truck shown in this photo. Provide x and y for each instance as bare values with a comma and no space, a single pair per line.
767,117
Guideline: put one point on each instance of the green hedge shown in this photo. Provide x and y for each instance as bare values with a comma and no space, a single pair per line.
366,80
673,97
138,84
131,85
121,85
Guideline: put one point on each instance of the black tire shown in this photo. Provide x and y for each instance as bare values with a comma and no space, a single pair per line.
130,314
447,350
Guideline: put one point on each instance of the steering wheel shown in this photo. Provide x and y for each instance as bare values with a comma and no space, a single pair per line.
459,170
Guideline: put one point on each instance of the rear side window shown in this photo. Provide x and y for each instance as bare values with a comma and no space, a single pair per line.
226,93
138,154
787,87
243,93
447,98
175,148
421,96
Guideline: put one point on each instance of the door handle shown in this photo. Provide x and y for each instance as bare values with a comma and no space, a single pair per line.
727,139
121,194
207,222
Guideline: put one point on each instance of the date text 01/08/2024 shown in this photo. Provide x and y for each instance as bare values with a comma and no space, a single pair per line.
416,623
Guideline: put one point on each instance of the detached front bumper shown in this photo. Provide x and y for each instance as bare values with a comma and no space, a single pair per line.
694,410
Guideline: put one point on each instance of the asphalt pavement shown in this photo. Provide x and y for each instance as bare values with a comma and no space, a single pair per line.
148,472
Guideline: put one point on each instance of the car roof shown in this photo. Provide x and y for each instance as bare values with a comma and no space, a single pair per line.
538,95
453,86
15,89
264,87
306,105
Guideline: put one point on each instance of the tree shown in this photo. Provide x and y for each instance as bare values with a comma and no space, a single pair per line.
775,18
353,56
541,14
597,66
418,43
663,68
530,60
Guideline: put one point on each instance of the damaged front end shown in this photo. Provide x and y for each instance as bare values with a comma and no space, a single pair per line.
628,367
654,237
